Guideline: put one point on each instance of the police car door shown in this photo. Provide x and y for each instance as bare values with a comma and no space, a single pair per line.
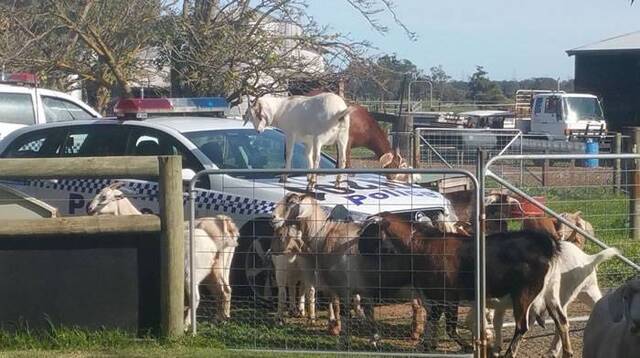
45,143
151,142
94,140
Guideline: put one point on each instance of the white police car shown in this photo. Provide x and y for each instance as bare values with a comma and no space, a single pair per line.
205,143
22,104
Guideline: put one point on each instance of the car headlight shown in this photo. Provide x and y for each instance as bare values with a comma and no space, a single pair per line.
359,217
421,216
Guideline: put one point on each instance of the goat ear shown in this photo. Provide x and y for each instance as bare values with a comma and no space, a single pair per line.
386,159
115,185
578,214
616,304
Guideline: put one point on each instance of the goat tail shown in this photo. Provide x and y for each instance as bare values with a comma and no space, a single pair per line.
342,116
604,255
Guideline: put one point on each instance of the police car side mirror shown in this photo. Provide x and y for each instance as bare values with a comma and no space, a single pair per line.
188,174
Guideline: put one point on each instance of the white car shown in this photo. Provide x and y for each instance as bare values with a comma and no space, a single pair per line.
25,105
209,143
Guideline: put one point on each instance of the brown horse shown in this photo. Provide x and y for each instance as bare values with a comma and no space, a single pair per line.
364,131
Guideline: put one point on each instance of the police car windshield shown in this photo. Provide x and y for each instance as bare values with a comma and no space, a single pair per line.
248,149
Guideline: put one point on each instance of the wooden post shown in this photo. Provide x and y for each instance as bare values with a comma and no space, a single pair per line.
171,247
545,169
634,205
403,128
417,156
617,166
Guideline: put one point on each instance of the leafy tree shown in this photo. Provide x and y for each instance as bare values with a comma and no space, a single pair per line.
483,89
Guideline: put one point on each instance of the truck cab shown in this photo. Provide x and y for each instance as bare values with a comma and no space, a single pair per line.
563,115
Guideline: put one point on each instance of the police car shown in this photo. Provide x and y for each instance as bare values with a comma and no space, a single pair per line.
22,104
206,143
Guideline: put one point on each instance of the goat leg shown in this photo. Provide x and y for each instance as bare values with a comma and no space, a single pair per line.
419,315
310,291
560,320
434,311
520,310
335,325
451,325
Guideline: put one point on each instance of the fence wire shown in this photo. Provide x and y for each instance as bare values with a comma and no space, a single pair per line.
273,270
597,194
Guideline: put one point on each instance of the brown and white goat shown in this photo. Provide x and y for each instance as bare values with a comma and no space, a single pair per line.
215,241
325,243
285,248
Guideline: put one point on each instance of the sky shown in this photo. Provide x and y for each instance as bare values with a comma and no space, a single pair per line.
512,39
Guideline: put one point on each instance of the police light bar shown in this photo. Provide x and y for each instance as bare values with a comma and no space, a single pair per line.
141,108
20,78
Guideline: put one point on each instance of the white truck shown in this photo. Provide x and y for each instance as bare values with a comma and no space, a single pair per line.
558,115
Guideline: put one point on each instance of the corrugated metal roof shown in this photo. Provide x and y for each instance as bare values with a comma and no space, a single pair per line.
626,42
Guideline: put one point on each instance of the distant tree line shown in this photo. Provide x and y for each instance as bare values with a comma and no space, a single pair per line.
384,79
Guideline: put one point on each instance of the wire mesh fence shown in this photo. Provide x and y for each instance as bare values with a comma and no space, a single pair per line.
314,272
598,195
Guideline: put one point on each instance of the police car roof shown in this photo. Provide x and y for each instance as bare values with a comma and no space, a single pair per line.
193,124
180,124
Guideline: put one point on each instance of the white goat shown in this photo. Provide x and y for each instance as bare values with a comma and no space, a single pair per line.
215,242
574,275
613,330
315,121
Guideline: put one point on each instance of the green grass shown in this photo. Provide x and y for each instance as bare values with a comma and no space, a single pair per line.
74,342
250,329
608,211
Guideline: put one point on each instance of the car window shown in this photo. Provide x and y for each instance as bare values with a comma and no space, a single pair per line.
16,108
147,141
40,144
248,149
95,141
552,105
538,105
57,110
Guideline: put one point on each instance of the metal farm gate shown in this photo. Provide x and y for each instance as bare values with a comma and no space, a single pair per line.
602,190
254,323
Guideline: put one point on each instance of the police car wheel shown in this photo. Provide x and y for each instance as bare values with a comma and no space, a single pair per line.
258,269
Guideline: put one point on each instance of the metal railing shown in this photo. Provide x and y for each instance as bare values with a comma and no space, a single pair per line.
480,262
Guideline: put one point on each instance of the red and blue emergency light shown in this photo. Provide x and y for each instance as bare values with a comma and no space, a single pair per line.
141,108
20,78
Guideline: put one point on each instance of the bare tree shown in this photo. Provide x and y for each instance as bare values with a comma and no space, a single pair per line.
226,47
255,48
97,42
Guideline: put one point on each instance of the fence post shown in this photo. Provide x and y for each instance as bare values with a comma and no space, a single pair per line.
171,247
481,276
617,171
417,156
545,169
634,205
402,129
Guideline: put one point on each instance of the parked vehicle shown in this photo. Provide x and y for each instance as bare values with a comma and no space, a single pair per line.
207,143
23,103
559,115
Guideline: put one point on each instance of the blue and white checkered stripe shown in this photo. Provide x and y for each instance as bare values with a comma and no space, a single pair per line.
148,191
220,202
